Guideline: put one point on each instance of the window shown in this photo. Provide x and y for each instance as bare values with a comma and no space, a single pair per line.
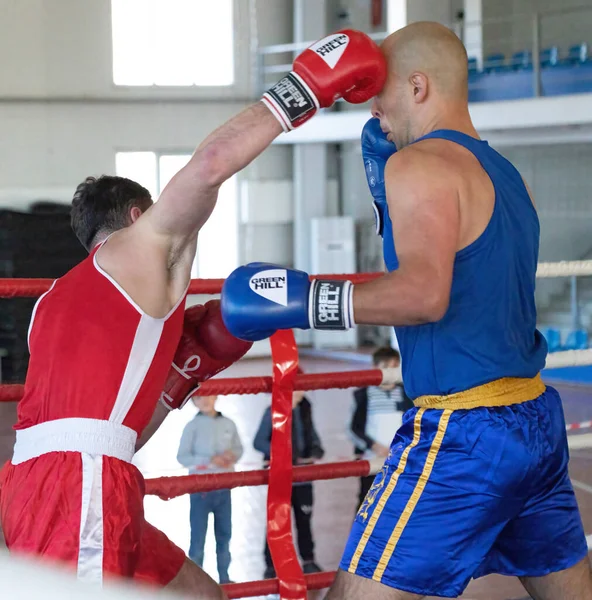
217,247
139,166
173,42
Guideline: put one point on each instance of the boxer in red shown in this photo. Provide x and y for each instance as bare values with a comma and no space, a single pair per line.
103,338
70,492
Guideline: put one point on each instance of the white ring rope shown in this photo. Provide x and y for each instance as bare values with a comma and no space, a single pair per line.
569,358
565,358
564,268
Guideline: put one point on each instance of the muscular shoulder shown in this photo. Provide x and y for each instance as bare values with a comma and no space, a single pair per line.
141,265
421,174
427,164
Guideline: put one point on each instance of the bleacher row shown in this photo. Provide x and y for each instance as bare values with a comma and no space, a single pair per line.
508,78
576,339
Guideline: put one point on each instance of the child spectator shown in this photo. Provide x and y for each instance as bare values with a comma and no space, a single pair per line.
377,414
210,443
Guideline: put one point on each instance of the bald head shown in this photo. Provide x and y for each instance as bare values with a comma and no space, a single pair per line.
432,49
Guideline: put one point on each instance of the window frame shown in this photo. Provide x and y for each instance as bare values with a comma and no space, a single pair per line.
158,153
244,59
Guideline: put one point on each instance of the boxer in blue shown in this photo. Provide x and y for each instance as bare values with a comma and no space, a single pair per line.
476,481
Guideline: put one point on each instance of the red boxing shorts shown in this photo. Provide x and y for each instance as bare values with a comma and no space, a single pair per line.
72,496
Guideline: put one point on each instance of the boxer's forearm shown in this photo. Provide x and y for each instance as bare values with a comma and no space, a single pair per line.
232,146
158,416
425,214
401,298
189,198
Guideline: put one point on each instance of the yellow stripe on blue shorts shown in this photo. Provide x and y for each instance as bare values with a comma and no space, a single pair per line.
386,493
415,496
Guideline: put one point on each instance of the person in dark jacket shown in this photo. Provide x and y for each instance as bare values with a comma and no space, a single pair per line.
306,448
377,414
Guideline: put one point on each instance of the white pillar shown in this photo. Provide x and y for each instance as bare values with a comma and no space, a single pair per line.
396,14
473,29
310,160
403,12
430,10
310,197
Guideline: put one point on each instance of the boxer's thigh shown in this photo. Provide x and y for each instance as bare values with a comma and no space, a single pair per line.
132,546
435,510
547,536
122,517
351,587
574,583
194,582
40,507
159,561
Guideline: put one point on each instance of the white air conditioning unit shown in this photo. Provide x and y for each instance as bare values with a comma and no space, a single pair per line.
333,251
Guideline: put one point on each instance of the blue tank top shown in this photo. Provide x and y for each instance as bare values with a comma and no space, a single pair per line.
489,330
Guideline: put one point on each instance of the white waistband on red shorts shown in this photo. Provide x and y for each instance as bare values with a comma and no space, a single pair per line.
90,436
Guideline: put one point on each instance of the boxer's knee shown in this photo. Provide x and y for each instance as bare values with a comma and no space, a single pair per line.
351,587
196,582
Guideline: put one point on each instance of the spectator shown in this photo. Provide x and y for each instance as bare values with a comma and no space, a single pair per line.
377,414
210,443
306,448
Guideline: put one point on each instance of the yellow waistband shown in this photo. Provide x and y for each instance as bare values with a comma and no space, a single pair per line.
501,392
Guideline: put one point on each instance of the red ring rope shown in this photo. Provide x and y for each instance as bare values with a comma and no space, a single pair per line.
316,581
254,385
171,487
32,288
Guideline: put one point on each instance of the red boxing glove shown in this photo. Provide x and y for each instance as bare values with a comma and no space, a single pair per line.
346,64
206,348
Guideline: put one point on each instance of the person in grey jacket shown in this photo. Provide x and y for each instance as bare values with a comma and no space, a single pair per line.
210,443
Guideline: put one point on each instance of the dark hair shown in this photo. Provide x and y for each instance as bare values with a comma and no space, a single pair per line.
385,353
103,205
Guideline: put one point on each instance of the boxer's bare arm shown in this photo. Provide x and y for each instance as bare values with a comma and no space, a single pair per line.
158,416
152,258
424,206
189,198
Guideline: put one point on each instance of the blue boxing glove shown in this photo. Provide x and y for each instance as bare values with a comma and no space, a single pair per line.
376,150
259,298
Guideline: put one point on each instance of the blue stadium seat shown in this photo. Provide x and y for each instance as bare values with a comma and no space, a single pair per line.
473,65
553,337
549,57
521,60
567,79
495,63
577,54
502,78
576,340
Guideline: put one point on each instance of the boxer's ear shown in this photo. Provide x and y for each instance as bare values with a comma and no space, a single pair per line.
135,213
420,87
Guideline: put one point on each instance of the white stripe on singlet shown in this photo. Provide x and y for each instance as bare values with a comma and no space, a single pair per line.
140,358
35,312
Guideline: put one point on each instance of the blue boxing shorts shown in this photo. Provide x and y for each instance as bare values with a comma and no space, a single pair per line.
468,492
